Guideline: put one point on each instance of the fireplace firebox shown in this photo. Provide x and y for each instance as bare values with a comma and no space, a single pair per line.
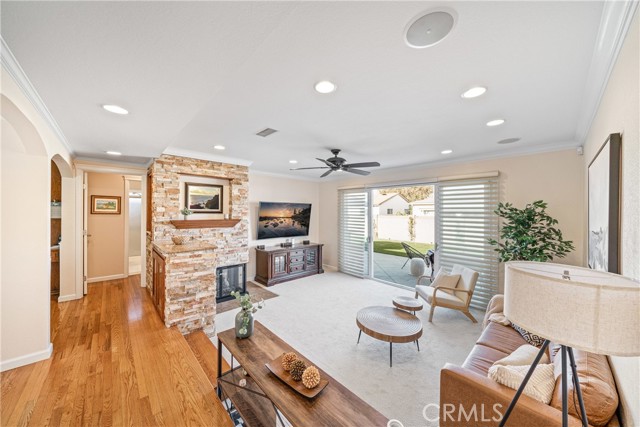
230,278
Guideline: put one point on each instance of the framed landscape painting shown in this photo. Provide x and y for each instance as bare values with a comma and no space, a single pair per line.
105,205
203,198
604,206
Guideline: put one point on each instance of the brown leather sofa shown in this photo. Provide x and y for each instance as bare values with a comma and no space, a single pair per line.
469,398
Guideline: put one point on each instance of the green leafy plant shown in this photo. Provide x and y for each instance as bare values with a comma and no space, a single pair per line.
247,307
186,212
529,234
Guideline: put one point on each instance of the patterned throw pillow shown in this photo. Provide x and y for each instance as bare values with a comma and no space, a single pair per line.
532,339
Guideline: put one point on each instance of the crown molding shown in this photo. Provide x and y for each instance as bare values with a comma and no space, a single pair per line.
206,156
10,63
283,176
616,19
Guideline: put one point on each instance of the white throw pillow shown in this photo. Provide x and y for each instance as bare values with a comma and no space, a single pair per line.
523,355
499,318
540,385
446,280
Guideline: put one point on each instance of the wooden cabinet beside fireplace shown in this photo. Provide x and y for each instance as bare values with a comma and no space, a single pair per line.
277,264
158,282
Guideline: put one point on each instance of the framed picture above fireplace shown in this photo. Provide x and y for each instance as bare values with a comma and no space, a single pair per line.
203,198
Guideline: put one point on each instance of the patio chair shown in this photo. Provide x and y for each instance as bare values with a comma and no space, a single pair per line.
412,253
456,297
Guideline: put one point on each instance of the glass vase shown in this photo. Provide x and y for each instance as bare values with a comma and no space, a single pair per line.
244,328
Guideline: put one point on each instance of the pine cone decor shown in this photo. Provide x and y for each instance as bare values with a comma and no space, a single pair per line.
287,360
297,369
311,377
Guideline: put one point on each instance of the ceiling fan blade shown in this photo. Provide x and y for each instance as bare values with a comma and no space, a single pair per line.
326,173
357,171
299,169
325,162
362,165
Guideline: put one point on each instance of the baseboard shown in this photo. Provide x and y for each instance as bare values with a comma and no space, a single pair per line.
27,359
104,278
65,298
328,267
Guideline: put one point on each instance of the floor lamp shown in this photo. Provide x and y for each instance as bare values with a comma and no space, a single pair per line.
575,307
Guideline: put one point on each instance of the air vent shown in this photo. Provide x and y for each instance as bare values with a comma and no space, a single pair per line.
266,132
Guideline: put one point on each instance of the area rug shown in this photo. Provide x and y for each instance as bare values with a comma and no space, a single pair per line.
316,315
257,293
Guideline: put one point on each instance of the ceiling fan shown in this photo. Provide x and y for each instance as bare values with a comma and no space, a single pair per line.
336,163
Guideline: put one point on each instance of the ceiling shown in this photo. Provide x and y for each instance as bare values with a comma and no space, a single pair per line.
198,74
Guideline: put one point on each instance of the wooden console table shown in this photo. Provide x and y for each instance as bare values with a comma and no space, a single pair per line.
277,264
334,406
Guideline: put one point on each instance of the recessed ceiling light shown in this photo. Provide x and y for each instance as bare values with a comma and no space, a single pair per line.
496,122
474,92
325,86
114,153
116,109
446,152
219,147
293,162
508,141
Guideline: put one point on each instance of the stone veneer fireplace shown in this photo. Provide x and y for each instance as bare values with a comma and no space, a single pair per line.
230,278
190,292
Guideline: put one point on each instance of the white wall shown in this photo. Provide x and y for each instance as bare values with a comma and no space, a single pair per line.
619,111
28,145
522,180
270,188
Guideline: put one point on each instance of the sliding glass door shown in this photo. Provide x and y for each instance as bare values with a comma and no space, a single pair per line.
464,223
353,232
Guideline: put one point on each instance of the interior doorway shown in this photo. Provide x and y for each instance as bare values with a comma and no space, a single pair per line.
403,233
133,228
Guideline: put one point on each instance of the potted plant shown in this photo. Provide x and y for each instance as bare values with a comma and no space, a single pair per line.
186,212
244,318
529,234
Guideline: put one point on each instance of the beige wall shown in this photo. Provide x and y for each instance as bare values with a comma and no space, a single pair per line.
554,177
269,188
106,244
620,112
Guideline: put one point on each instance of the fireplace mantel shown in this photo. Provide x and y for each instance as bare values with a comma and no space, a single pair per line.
205,223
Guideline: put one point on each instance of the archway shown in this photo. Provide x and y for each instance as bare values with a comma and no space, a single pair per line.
25,241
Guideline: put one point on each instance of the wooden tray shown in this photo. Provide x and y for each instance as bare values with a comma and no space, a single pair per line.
275,366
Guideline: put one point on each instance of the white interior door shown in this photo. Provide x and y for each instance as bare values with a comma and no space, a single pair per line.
465,221
353,232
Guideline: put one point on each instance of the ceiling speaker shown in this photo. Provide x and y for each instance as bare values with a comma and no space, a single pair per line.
429,29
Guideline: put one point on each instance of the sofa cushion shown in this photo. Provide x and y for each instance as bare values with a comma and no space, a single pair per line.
501,338
540,385
481,358
532,339
596,382
523,355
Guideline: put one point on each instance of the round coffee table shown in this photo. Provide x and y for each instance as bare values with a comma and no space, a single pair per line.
389,324
407,303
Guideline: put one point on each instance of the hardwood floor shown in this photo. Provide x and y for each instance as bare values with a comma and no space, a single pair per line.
114,363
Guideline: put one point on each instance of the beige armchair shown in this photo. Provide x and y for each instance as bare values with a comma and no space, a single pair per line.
457,297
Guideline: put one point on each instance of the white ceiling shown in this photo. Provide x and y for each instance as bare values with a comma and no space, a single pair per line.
197,74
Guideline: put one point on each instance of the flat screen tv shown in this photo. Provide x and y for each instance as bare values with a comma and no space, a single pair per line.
277,219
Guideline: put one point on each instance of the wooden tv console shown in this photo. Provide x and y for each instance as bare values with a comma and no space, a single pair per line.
277,264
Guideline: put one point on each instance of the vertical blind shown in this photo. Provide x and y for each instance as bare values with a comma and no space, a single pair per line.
353,231
465,221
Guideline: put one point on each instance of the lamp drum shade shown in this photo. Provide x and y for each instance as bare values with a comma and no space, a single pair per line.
578,307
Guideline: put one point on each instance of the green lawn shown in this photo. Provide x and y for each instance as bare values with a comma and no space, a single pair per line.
393,247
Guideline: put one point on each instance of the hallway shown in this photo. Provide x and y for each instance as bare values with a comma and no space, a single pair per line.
114,363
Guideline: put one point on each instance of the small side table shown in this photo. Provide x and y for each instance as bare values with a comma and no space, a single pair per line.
407,303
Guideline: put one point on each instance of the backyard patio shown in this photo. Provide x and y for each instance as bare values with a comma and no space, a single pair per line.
388,259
